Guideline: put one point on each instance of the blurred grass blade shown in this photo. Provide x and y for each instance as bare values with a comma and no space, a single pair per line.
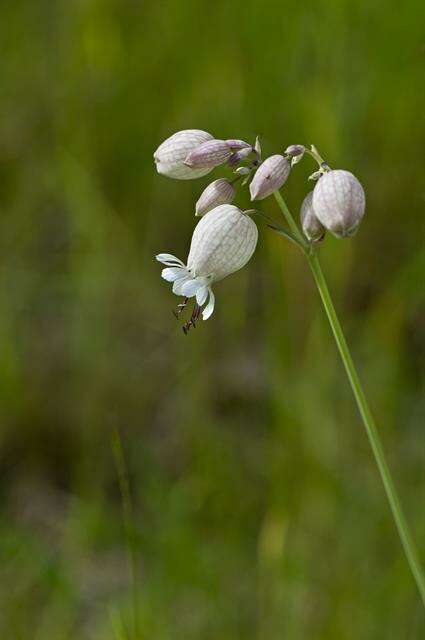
129,528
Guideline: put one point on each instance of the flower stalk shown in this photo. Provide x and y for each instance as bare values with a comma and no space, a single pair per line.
362,404
225,239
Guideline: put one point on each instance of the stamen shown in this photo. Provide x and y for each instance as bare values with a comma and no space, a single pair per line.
180,308
193,318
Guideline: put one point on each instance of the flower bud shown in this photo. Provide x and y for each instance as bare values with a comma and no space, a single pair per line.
220,191
295,150
312,228
238,156
223,241
208,155
339,202
170,155
237,144
270,176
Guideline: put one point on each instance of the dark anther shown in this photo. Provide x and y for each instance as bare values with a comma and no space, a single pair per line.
193,318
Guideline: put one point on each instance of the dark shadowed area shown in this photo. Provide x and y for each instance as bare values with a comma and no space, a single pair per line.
258,512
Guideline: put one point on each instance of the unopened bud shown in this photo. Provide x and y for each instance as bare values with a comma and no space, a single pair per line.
209,155
237,144
312,227
295,150
170,155
238,156
220,191
339,202
270,176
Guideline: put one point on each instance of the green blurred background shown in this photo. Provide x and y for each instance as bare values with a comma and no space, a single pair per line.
258,512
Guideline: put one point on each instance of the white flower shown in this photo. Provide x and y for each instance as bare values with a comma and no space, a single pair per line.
170,155
339,202
223,241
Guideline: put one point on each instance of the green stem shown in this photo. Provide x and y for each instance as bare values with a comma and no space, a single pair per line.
127,508
289,219
368,420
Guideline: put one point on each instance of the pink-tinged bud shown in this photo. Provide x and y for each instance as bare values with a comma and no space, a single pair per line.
208,155
295,150
312,227
238,156
170,155
220,191
270,176
237,144
339,202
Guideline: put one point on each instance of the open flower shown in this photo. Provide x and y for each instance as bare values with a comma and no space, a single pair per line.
170,155
223,241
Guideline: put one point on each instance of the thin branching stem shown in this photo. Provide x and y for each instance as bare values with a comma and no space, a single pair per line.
365,412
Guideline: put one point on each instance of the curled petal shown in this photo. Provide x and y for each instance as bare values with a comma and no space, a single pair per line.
170,274
169,260
190,287
201,295
208,311
178,285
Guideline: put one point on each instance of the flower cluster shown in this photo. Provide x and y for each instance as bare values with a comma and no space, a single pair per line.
225,238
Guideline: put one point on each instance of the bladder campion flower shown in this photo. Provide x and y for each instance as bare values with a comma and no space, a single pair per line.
339,202
225,238
171,154
223,241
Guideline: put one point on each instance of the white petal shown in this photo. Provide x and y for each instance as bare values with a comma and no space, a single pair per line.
178,285
201,295
169,260
207,312
190,288
170,274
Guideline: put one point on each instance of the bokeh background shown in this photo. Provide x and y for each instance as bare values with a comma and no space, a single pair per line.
257,511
